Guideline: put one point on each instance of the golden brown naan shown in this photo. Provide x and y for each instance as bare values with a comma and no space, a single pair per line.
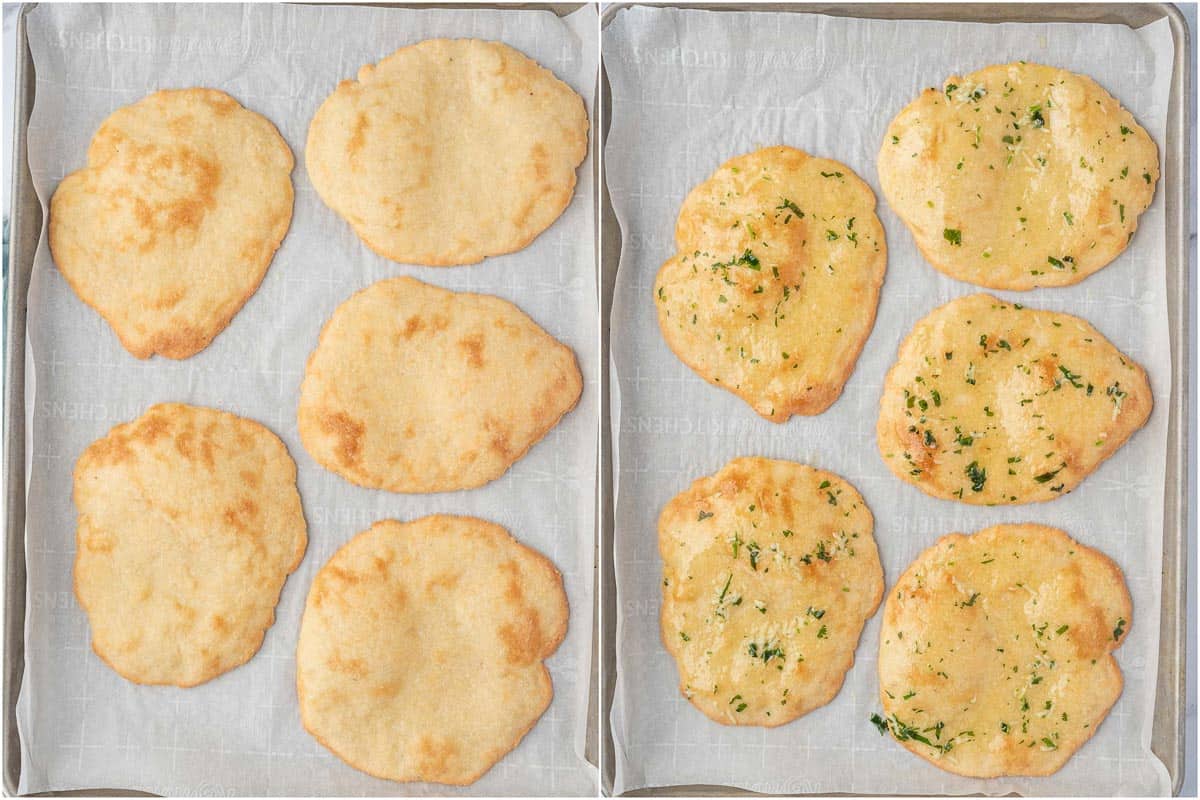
769,572
170,228
995,654
772,291
992,403
422,645
448,151
1018,175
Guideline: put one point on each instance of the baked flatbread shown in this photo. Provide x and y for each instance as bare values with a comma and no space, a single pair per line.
448,151
769,573
993,403
772,291
1018,176
170,228
421,648
189,524
995,652
413,388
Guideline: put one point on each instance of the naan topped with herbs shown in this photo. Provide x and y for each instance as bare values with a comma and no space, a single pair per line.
995,655
1018,176
769,573
772,291
993,403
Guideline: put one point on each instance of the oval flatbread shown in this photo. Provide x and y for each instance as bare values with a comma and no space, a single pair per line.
189,524
421,648
773,288
1018,176
992,403
413,388
170,228
448,151
995,651
769,573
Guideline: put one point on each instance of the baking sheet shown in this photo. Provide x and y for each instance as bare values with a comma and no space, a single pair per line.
689,90
81,725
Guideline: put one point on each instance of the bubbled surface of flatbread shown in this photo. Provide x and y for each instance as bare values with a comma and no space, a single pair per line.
171,226
189,524
993,403
995,651
448,151
421,648
773,288
413,388
770,571
1018,176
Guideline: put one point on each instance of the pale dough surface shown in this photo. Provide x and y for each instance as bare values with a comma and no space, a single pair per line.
413,388
995,651
993,403
770,571
422,645
772,291
171,226
1018,176
448,151
189,524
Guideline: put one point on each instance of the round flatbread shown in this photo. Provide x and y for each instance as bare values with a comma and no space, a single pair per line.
1018,176
995,652
421,648
992,403
413,388
170,228
772,291
189,524
448,151
769,573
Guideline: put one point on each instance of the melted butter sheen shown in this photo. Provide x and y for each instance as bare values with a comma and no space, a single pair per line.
991,403
995,650
773,290
1018,176
769,572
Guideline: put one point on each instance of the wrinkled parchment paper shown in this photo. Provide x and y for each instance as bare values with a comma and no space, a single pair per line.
691,89
81,725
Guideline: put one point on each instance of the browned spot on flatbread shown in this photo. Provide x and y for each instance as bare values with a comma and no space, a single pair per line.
355,667
168,298
523,639
472,346
152,428
412,326
242,515
357,136
99,542
348,432
250,478
538,158
434,755
111,450
445,580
